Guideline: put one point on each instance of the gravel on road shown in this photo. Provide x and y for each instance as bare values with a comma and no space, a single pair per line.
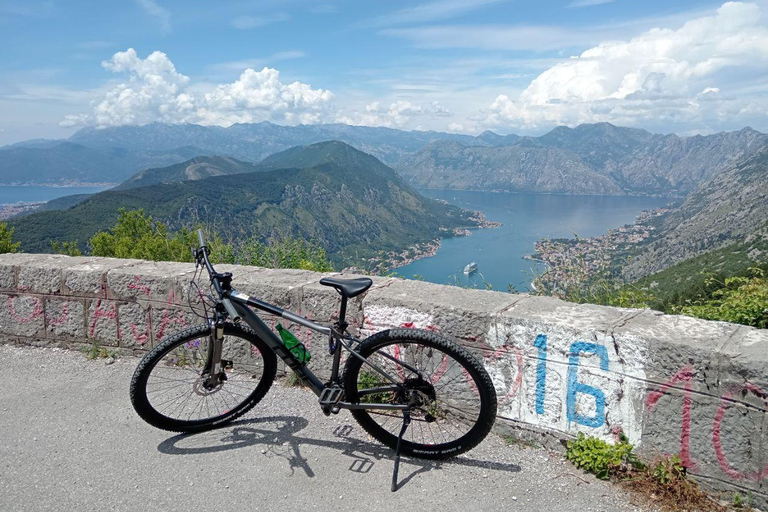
70,440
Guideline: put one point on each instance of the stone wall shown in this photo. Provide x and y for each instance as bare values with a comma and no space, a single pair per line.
673,384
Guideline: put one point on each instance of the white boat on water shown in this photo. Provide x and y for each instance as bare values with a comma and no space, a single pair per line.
472,267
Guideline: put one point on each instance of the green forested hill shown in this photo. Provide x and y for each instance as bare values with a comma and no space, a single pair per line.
347,201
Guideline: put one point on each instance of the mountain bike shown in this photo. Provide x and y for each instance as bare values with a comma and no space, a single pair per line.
413,390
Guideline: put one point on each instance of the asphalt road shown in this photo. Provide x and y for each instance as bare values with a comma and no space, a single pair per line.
70,440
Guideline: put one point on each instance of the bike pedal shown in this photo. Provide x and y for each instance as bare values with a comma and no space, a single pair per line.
329,397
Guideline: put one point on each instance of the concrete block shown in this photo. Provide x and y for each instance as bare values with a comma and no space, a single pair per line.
135,325
88,279
10,264
65,318
22,315
456,312
676,343
102,324
744,359
169,319
151,281
44,274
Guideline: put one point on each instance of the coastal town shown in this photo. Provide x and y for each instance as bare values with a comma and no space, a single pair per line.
573,261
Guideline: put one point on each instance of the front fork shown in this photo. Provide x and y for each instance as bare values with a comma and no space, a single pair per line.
213,367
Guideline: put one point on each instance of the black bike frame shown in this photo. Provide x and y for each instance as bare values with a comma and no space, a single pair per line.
241,304
238,307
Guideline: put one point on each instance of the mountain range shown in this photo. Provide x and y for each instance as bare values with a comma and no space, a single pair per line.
589,159
349,202
731,207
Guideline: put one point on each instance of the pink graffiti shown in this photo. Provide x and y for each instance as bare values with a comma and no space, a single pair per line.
725,402
137,285
37,310
141,339
110,314
61,319
175,317
502,352
686,374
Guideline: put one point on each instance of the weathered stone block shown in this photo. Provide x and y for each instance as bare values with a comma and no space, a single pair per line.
152,281
102,324
456,312
167,321
89,277
65,318
135,326
22,315
43,275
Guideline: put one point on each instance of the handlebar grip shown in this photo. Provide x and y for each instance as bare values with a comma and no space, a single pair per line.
200,237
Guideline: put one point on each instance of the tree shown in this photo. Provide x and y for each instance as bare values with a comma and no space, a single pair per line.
6,242
140,236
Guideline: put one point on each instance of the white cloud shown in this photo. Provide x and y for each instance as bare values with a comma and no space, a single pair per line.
248,22
397,115
158,12
588,3
663,75
155,91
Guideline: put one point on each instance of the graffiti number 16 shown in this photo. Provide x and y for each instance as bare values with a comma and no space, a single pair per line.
574,386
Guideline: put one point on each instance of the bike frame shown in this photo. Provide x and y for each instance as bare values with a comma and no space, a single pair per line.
242,304
239,306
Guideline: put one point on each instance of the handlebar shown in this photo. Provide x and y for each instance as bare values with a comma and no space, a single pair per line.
200,237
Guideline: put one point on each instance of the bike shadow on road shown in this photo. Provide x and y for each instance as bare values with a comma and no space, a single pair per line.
279,437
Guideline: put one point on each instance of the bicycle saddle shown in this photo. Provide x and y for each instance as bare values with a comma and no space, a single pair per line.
348,287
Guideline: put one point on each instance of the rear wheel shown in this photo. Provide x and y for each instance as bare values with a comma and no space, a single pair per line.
454,401
170,389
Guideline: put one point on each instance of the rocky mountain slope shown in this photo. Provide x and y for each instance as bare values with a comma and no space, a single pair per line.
594,158
730,207
352,204
195,169
525,166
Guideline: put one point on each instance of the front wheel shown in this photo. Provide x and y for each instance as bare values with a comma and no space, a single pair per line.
171,388
453,399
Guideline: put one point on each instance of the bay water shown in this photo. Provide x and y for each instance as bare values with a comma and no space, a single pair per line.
526,218
10,194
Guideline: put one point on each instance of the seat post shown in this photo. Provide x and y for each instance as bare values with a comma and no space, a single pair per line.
342,323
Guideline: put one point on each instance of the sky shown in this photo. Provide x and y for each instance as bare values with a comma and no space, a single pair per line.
511,66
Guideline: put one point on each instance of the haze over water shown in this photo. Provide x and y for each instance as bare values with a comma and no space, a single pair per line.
526,218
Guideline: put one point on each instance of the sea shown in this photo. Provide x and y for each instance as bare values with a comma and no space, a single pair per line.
525,219
10,194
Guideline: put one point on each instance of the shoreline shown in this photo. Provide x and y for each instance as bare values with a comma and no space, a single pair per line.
66,184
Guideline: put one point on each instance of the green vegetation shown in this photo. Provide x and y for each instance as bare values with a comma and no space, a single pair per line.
96,351
137,235
285,252
67,248
600,458
6,239
664,482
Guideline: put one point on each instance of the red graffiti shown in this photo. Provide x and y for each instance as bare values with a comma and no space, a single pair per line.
137,285
62,319
175,317
726,466
502,352
141,339
110,314
686,374
37,310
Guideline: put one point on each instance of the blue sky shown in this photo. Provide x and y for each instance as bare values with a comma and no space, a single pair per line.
449,65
